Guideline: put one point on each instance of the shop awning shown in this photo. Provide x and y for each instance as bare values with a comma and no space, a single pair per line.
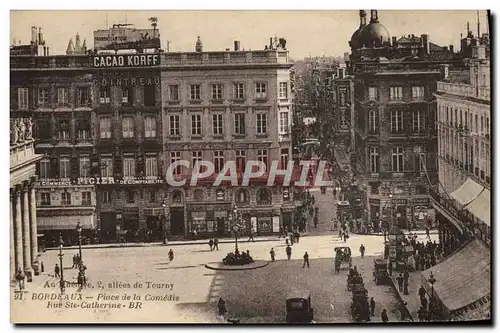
64,222
463,278
467,192
481,206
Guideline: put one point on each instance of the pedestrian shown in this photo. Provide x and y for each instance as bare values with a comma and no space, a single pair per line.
400,282
334,193
316,221
211,244
221,306
384,316
288,252
421,314
406,275
427,232
250,236
272,254
424,302
287,240
372,307
281,232
57,271
402,310
306,260
42,267
362,250
171,255
20,276
216,244
81,279
389,267
421,292
74,262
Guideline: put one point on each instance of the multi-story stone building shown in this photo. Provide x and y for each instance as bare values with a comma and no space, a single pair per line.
58,92
395,134
128,151
227,106
464,141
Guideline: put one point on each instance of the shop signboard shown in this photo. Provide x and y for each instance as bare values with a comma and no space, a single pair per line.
408,249
126,60
121,37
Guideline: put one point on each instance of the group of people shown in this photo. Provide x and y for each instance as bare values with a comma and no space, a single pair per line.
426,309
425,255
214,244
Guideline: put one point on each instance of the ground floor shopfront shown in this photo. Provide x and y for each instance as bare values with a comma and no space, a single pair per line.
406,212
56,224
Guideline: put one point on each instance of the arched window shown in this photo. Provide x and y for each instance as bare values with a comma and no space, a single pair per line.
264,197
198,195
177,197
242,196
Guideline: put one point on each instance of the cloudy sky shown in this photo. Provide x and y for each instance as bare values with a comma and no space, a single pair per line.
308,33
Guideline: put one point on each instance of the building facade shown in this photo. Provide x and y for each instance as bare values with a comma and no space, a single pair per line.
128,153
395,130
227,106
24,246
464,141
58,92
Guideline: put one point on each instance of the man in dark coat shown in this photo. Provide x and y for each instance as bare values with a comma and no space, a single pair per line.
421,292
384,316
216,244
211,244
372,307
306,260
400,282
221,306
288,252
272,254
57,271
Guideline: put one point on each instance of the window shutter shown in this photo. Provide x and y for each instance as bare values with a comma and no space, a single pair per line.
407,151
38,169
75,168
14,103
54,167
94,166
118,166
407,121
139,166
385,159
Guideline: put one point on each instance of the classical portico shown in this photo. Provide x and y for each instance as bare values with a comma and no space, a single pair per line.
23,222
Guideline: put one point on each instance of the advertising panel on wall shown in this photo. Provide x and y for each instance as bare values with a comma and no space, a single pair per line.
121,37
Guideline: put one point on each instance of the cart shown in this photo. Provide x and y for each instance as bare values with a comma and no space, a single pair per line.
380,274
342,256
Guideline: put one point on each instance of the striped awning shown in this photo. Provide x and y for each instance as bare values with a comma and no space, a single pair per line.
463,278
467,192
64,222
481,206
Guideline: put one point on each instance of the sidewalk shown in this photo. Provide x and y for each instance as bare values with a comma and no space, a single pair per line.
417,232
170,243
412,300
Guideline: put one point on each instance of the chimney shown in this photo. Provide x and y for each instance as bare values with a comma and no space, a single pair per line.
40,36
362,18
374,16
271,43
445,69
394,41
426,43
452,49
236,45
34,35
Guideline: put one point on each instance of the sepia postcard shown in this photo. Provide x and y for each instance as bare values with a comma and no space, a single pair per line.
246,167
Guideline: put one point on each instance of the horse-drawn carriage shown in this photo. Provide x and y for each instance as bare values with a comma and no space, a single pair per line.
354,279
360,308
342,256
380,274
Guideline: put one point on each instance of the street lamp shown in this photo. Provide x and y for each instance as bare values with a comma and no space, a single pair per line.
79,230
61,255
431,280
163,226
236,229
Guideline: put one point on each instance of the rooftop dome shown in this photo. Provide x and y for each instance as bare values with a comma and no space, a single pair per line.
374,34
355,39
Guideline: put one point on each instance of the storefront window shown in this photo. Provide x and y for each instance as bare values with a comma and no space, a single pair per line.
264,224
198,221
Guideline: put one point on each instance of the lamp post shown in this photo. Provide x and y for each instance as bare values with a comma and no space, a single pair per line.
431,280
236,228
79,230
61,255
163,225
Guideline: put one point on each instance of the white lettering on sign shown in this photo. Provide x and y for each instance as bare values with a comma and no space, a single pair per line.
140,60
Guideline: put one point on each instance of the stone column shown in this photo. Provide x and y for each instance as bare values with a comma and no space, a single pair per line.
26,229
12,248
18,230
33,223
